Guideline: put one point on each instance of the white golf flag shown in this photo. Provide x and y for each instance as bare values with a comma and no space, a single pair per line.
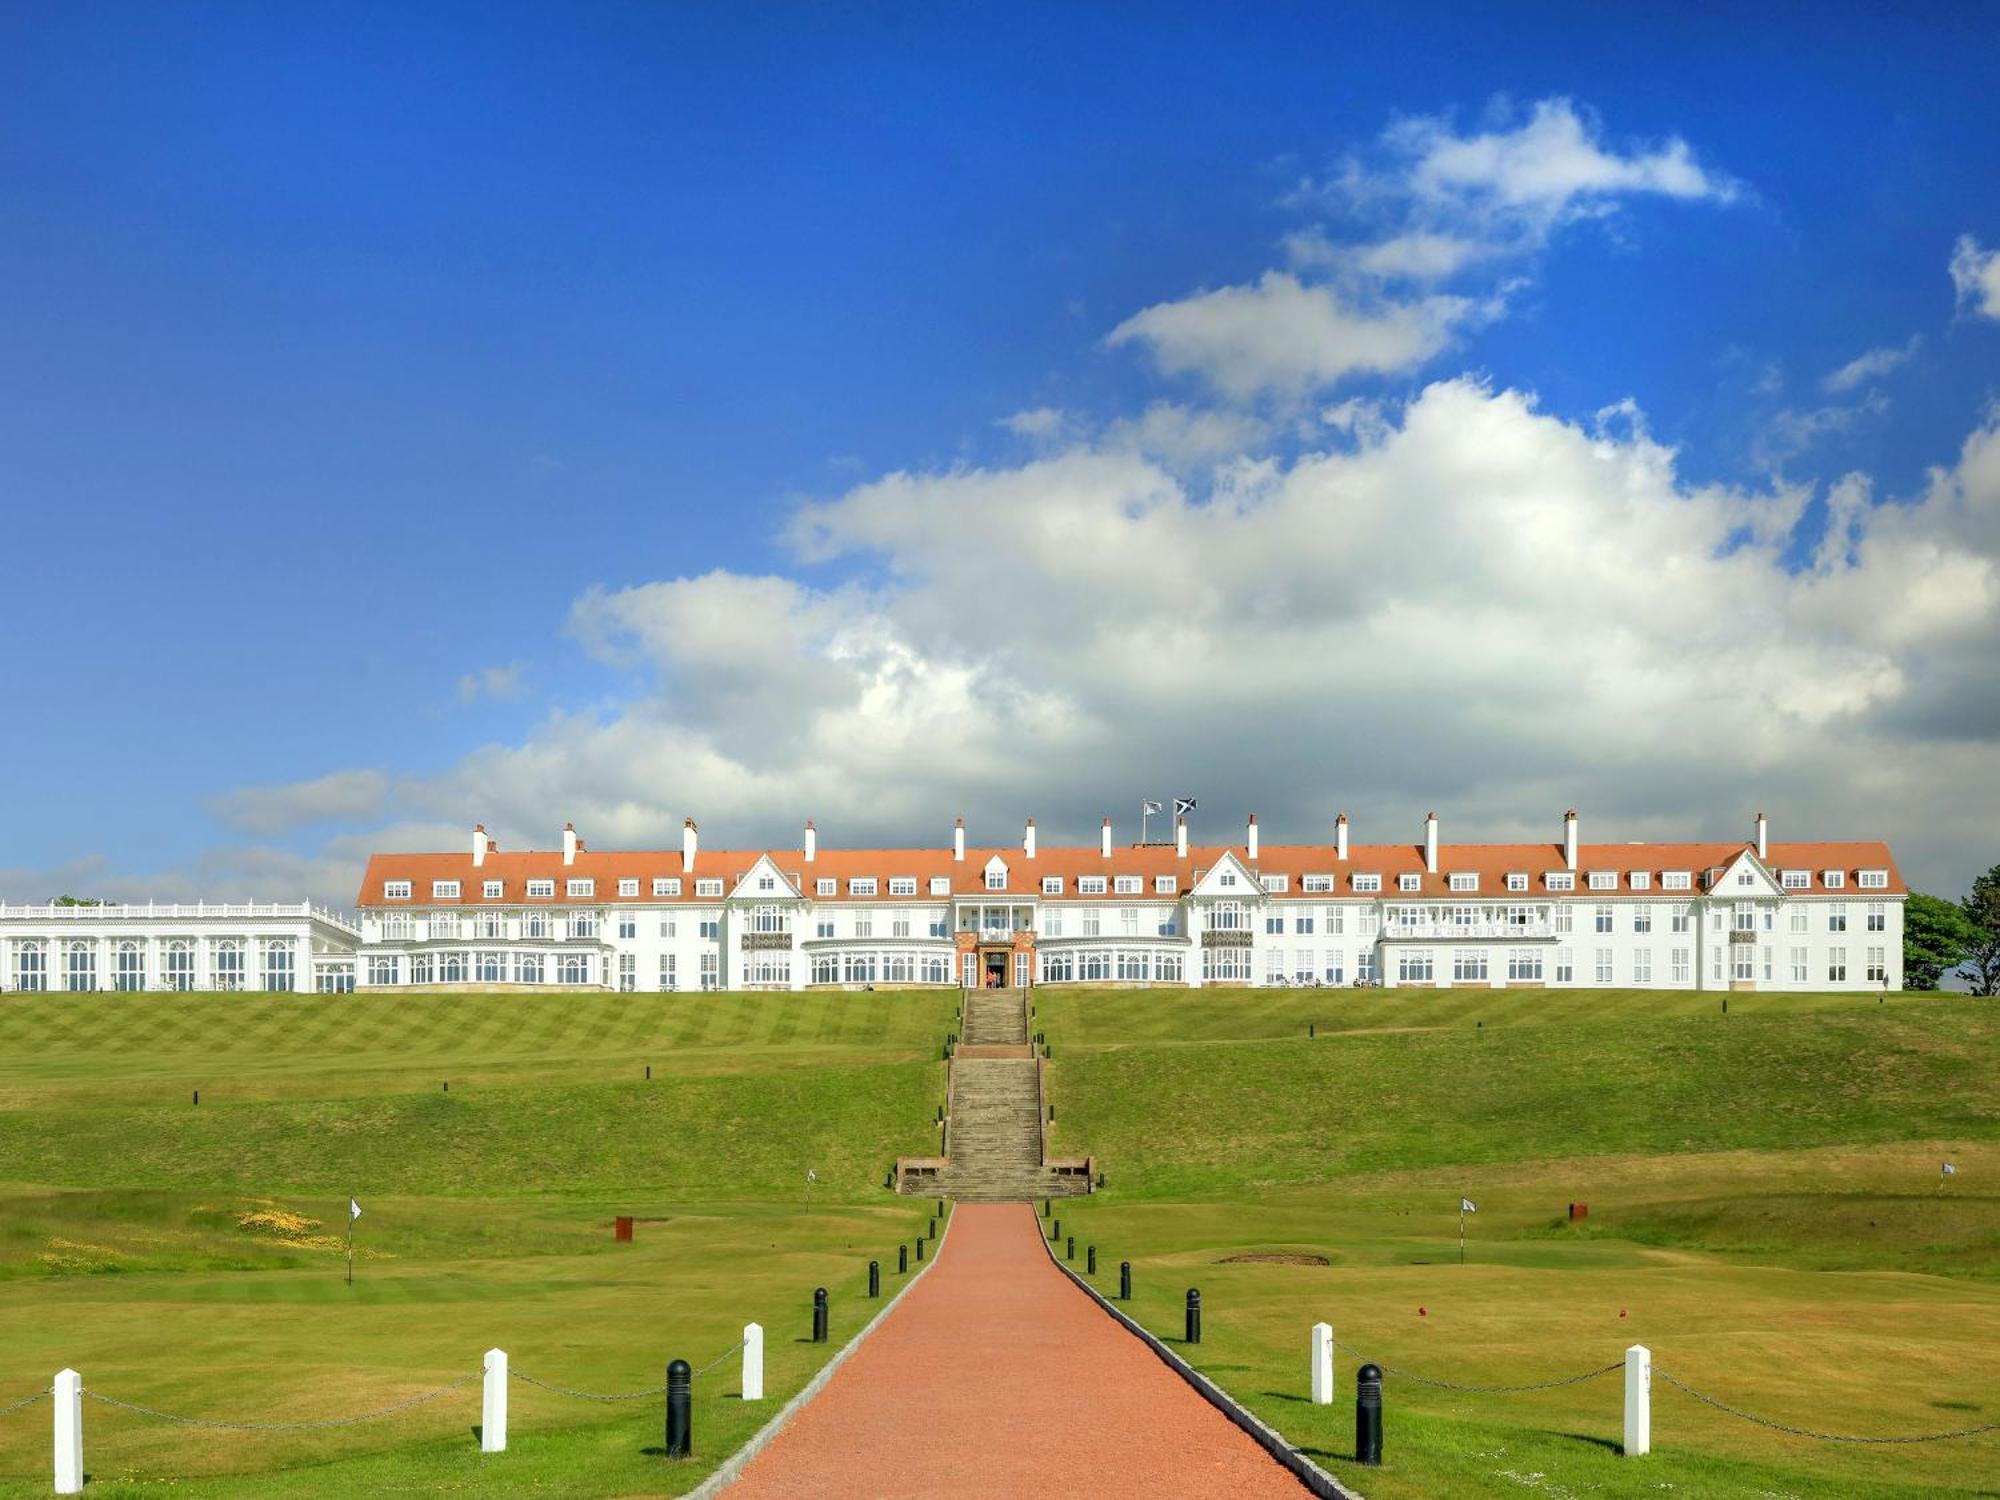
1467,1206
1949,1170
1149,807
811,1175
353,1209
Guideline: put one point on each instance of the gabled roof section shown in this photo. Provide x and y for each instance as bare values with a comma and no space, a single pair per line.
1745,875
748,888
1229,876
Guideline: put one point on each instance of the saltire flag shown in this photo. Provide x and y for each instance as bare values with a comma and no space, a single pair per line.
353,1210
1183,806
1149,807
1467,1206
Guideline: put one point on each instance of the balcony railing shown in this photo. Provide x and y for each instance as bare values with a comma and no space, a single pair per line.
1492,932
174,911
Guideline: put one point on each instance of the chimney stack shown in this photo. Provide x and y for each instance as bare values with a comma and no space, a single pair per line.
1569,839
569,843
1763,838
1104,841
812,842
478,845
1431,843
1180,838
690,842
1340,837
1028,839
958,840
1250,838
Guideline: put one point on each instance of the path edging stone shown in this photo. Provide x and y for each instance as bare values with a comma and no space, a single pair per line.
1308,1473
732,1467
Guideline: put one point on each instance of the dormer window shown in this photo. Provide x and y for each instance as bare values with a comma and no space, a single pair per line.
1407,882
628,887
444,890
1164,885
861,885
583,887
1517,880
1798,880
1836,880
395,890
1128,885
1874,880
492,890
940,885
660,884
1367,882
1052,885
708,888
826,885
1460,882
1315,884
902,885
1677,880
1642,880
1275,883
1561,880
996,876
1090,885
541,890
1603,880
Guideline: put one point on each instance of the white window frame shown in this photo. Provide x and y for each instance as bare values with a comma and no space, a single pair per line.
708,887
628,887
1409,882
580,888
1463,880
1367,883
1560,880
1873,880
861,885
1052,885
444,890
395,890
902,885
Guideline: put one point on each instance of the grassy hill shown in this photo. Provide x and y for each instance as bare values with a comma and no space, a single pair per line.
191,1258
1763,1212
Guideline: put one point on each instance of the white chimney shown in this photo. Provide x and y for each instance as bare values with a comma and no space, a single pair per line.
1180,838
690,842
812,842
1250,838
569,843
958,840
1340,837
1763,838
1104,840
1569,839
1028,839
478,845
1431,842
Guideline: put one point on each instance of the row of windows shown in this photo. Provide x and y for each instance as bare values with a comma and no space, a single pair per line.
1129,965
229,965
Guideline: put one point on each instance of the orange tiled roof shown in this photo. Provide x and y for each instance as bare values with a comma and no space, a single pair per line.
1492,863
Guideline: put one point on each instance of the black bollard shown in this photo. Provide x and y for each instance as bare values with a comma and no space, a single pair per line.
1312,1029
902,1260
933,1228
874,1278
1055,1229
1124,1281
680,1409
1725,1005
1052,1111
1193,1316
447,1088
1368,1415
940,1207
197,1096
649,1071
1045,1202
1090,1260
819,1315
920,1247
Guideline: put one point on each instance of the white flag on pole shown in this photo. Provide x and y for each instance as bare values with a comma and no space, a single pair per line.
1149,807
1467,1206
353,1210
811,1175
1949,1170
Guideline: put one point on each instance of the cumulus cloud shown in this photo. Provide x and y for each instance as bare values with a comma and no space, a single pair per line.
1975,275
1872,365
1792,431
1470,603
492,682
1278,334
339,796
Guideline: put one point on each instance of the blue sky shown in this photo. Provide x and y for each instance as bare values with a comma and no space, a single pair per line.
420,413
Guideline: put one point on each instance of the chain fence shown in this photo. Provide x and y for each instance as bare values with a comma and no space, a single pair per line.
652,1392
1489,1390
212,1425
1807,1432
26,1401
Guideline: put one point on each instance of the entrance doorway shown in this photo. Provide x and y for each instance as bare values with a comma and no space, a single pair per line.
993,968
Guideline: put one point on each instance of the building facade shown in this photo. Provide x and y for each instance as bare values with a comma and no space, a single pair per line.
200,946
1718,915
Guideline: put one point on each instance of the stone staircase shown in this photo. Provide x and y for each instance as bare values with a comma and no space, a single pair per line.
994,1146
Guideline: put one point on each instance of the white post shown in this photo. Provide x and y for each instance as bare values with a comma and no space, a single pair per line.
69,1433
1322,1364
493,1407
753,1362
1638,1401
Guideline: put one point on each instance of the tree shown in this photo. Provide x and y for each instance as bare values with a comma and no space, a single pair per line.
1937,937
1982,908
75,901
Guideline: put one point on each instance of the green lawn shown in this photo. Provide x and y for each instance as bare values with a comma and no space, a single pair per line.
191,1258
1763,1214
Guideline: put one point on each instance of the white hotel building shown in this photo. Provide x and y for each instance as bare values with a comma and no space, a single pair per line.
1721,915
190,946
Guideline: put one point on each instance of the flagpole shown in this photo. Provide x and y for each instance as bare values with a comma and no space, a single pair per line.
350,1239
1461,1231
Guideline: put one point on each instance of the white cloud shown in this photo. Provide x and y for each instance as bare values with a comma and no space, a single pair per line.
338,797
492,682
1975,275
1039,424
1280,335
1791,431
1872,365
1440,612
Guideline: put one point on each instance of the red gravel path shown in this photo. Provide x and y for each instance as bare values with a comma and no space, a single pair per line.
996,1376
